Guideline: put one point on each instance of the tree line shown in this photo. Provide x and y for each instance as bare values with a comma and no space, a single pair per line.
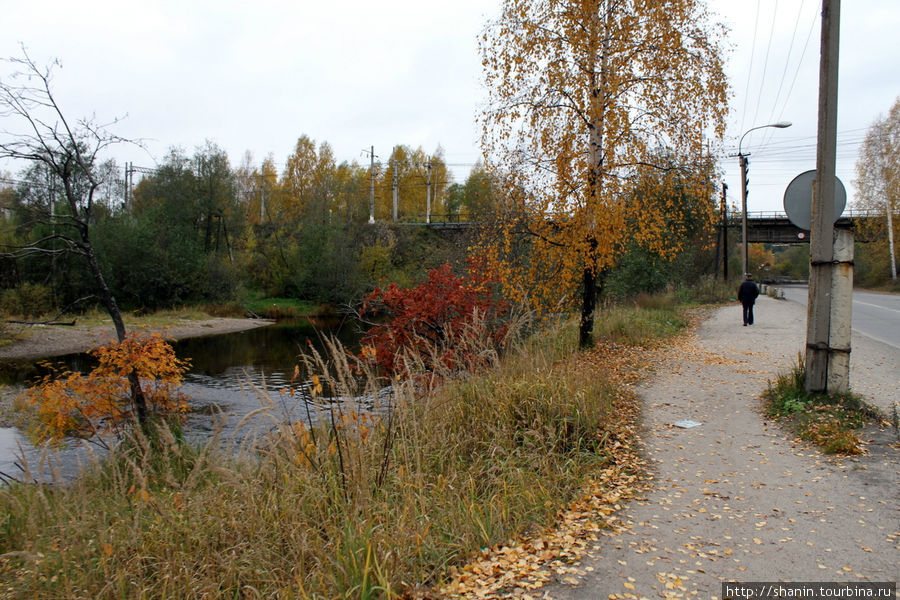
198,229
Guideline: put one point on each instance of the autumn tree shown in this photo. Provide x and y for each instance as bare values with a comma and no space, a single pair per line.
473,200
674,206
582,93
479,197
878,183
67,404
256,186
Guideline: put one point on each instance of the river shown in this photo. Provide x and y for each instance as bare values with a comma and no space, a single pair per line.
230,376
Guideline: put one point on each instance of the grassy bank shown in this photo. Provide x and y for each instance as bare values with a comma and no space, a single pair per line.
830,421
360,506
285,308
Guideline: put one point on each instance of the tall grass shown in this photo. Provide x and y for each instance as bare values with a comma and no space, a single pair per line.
374,501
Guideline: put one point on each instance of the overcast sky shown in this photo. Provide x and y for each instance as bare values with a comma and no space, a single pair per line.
254,77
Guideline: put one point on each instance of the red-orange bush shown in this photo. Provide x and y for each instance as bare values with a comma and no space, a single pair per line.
73,404
447,321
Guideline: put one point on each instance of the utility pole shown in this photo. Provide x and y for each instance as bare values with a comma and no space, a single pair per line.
889,209
745,252
428,192
371,184
724,236
129,173
831,256
262,198
395,187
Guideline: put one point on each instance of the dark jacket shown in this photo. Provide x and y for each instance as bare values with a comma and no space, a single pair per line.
748,292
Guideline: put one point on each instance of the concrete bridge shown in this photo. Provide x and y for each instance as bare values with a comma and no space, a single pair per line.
772,227
775,228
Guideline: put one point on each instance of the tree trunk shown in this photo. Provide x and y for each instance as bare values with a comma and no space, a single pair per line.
588,304
109,302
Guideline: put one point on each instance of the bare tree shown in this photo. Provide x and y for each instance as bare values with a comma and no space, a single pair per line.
70,152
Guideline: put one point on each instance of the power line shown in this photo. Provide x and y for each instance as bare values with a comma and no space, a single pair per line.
812,26
762,80
787,62
750,69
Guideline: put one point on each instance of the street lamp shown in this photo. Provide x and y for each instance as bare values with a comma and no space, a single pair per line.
745,254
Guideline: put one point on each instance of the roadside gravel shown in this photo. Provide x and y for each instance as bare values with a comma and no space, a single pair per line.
736,498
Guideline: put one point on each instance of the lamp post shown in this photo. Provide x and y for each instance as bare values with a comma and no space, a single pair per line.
745,253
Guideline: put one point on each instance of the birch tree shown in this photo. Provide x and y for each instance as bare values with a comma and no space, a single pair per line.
581,94
878,181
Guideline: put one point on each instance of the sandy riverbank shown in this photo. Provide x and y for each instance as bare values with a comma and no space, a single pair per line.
42,341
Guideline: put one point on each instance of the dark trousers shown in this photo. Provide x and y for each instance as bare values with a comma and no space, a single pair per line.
748,313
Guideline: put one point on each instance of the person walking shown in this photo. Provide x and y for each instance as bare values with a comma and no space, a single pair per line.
747,294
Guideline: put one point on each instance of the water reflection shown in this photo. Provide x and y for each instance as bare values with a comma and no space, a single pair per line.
20,460
231,375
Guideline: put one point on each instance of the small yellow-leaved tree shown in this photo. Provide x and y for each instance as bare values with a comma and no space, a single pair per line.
70,404
583,95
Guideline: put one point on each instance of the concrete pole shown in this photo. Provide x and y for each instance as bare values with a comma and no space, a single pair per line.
838,378
372,184
724,232
395,188
890,225
262,199
428,193
822,265
745,247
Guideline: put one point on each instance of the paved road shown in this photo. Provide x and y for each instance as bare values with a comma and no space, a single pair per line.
874,315
736,498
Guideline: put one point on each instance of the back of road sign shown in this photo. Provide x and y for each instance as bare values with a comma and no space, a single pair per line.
798,199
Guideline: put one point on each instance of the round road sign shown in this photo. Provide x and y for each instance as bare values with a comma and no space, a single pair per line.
798,199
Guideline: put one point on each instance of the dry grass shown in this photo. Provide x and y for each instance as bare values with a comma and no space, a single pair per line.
376,501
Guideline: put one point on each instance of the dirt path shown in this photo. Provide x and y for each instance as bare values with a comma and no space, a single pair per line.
45,341
735,499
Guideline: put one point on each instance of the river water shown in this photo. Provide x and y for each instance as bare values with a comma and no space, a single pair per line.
230,376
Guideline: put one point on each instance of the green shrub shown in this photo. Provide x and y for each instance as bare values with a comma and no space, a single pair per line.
30,300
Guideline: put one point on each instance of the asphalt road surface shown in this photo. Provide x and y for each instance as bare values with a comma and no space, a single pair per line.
875,315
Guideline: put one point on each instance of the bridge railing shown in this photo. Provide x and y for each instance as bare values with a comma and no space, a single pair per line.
849,213
414,219
455,219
